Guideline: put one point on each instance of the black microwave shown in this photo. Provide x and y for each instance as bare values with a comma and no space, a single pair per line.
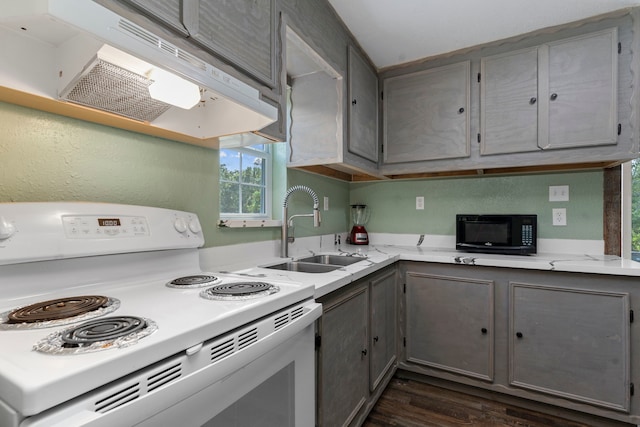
498,234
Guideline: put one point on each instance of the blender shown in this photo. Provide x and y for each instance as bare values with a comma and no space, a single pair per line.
359,216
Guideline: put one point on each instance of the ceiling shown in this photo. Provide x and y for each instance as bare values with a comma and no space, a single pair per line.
397,31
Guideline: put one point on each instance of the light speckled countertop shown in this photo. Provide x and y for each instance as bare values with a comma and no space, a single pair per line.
381,255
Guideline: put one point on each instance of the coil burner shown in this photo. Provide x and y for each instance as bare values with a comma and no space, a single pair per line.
195,281
58,312
239,291
96,335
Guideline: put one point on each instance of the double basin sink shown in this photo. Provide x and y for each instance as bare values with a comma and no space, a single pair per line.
317,263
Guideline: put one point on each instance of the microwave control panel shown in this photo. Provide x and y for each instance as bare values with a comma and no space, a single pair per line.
527,234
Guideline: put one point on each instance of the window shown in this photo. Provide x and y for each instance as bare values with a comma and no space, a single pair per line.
245,182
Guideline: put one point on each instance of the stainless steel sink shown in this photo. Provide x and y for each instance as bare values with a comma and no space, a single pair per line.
331,259
304,267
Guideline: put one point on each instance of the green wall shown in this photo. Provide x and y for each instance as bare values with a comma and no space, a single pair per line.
393,204
46,157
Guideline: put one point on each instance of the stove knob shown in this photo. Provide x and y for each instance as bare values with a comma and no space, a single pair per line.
6,229
180,225
194,226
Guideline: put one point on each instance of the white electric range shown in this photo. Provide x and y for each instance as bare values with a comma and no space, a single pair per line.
196,347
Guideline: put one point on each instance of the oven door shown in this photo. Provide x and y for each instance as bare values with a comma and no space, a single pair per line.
269,383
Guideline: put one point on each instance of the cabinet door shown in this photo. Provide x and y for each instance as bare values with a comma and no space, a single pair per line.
509,103
363,111
570,343
383,327
241,31
450,324
344,358
168,12
582,91
426,114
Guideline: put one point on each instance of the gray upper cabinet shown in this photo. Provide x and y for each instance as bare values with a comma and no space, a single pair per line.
450,324
241,31
509,106
582,88
553,96
169,12
570,343
426,114
363,112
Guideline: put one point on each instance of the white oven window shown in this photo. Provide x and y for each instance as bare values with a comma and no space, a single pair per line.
270,404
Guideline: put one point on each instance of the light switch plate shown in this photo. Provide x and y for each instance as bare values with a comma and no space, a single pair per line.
326,203
558,193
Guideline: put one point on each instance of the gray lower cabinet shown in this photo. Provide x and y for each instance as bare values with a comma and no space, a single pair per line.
570,343
343,363
552,338
557,95
426,114
357,352
450,324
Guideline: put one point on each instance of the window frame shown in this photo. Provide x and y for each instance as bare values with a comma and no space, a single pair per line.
267,157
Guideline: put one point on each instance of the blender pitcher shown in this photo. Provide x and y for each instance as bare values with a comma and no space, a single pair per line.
359,217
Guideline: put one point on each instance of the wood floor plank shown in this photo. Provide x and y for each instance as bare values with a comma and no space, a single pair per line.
409,403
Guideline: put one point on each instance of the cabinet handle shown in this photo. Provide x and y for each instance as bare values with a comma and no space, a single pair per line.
364,352
533,100
461,110
375,339
519,334
554,96
483,330
354,102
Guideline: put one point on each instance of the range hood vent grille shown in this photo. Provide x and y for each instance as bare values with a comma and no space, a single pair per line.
152,40
110,88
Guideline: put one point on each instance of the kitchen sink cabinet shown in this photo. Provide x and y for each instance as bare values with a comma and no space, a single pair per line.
343,363
383,320
450,323
357,348
571,343
557,95
426,114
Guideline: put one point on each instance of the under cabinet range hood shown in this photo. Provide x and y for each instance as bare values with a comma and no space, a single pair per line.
82,53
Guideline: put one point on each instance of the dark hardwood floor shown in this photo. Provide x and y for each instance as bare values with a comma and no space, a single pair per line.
409,403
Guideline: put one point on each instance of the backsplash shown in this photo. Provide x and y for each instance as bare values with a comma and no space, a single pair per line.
393,204
53,158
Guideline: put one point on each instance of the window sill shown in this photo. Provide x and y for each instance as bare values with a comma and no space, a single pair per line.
249,223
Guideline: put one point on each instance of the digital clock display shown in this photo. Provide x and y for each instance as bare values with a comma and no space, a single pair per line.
109,222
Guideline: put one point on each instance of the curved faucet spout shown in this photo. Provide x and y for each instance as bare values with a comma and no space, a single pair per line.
288,221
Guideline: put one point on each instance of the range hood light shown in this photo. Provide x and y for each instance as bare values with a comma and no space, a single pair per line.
172,89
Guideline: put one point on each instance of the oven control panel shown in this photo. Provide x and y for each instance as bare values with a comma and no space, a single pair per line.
100,226
41,231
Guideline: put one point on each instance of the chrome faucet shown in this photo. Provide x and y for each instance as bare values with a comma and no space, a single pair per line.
288,222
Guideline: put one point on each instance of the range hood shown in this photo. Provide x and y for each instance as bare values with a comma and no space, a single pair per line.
82,53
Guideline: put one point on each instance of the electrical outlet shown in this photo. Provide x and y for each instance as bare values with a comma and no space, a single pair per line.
558,193
420,203
559,216
326,203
